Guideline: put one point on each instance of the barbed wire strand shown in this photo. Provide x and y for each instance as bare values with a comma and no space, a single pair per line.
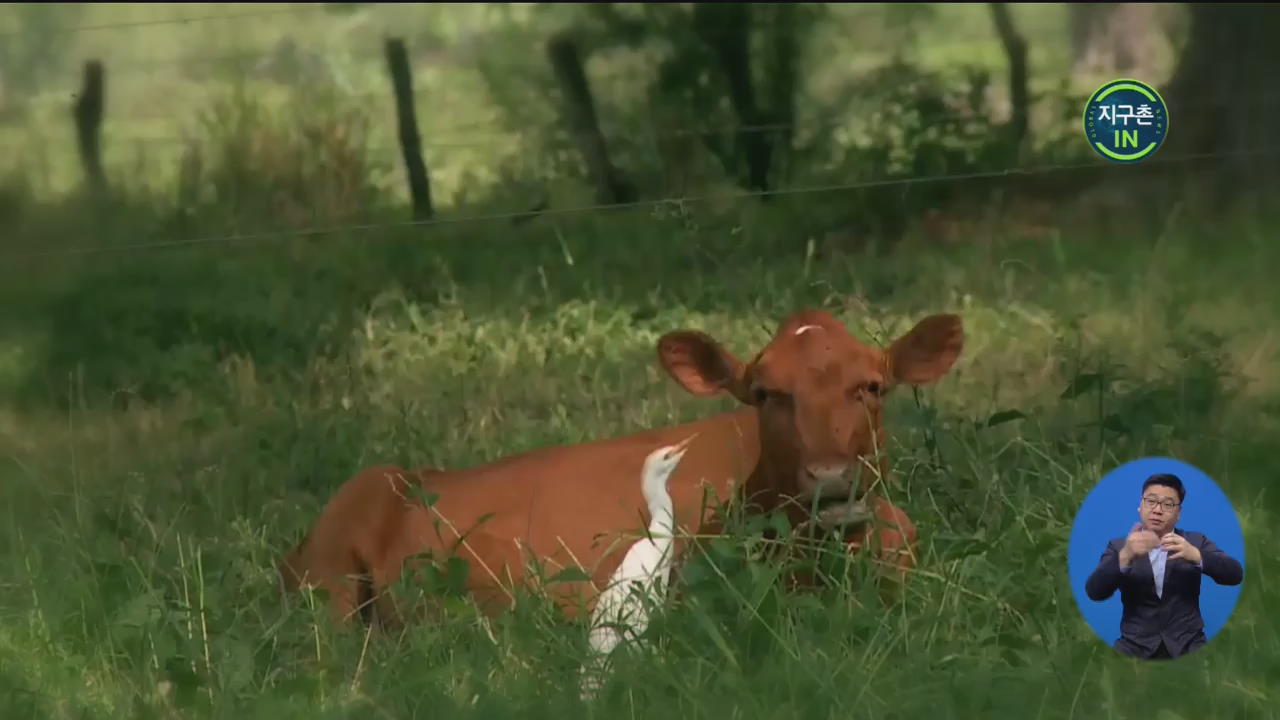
76,29
500,127
495,130
991,38
435,93
322,54
261,237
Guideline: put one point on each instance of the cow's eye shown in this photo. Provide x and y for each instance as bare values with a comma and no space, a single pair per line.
865,391
761,394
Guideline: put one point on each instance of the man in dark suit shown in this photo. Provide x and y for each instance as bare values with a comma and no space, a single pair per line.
1157,569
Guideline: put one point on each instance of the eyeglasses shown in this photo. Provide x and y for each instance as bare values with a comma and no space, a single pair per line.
1152,502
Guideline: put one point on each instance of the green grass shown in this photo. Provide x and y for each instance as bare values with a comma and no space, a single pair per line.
174,420
140,540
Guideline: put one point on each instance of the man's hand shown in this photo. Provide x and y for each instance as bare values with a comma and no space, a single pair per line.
1140,541
1178,547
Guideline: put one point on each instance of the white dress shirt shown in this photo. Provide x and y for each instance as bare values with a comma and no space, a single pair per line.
1158,556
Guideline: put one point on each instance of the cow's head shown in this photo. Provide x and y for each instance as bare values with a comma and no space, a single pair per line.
817,391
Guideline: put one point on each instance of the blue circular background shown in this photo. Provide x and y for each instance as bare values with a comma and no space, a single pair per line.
1096,129
1111,508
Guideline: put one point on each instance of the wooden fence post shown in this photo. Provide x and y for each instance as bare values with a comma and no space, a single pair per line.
410,142
1015,47
88,110
611,186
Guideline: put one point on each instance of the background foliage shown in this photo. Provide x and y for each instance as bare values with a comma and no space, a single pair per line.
174,417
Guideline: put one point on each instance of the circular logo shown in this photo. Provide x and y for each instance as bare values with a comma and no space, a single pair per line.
1126,121
1174,589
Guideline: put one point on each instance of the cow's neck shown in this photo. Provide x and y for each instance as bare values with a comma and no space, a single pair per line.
738,472
773,479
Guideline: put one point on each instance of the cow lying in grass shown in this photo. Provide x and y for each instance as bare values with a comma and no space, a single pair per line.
807,437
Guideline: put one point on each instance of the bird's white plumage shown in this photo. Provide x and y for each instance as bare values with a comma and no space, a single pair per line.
641,578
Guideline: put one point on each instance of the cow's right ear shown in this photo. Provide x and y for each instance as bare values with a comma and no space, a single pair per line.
927,351
701,365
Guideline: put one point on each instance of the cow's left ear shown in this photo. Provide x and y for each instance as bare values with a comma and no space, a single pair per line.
927,351
701,365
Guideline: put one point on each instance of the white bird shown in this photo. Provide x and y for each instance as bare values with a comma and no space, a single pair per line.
642,576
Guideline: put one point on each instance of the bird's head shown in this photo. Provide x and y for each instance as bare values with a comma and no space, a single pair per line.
663,461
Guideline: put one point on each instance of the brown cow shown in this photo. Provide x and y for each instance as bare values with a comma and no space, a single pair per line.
811,415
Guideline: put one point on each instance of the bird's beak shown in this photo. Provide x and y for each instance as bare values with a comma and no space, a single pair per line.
683,445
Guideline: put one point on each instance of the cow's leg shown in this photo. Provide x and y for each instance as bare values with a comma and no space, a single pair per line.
337,576
896,535
386,610
351,588
344,599
892,537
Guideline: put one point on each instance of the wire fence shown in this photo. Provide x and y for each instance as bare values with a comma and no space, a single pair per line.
115,67
351,230
477,133
249,15
484,134
252,14
316,54
127,65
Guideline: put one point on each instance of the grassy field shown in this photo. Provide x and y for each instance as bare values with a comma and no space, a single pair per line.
173,420
140,538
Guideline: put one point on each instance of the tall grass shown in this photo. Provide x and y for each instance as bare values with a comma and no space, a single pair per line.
175,419
149,494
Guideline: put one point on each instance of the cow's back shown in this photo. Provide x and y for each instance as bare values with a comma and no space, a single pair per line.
557,507
572,505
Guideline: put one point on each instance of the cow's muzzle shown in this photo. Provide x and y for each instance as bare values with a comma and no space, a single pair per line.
834,495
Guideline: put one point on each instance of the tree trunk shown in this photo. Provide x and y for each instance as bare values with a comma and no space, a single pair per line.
784,76
1111,38
1088,22
724,27
1019,98
580,112
1223,91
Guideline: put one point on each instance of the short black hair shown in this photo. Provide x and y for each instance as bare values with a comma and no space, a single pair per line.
1167,480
